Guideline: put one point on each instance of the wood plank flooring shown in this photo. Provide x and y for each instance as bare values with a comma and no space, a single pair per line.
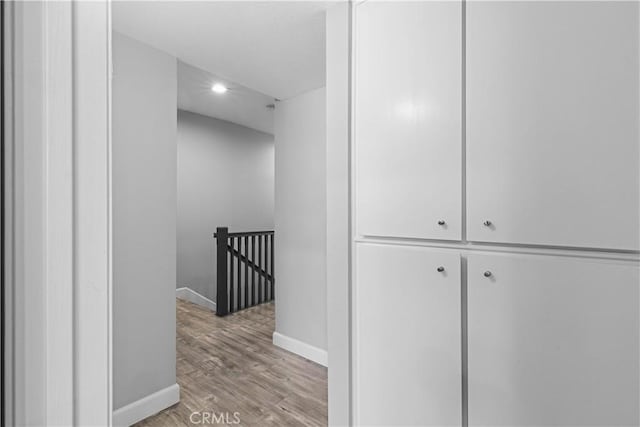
229,364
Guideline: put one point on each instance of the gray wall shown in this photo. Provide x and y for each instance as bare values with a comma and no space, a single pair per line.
225,178
300,221
144,220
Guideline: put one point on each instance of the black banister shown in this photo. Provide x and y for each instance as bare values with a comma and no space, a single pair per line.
222,297
235,291
244,233
259,275
246,272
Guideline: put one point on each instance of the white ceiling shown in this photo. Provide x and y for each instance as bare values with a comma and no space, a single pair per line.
274,47
239,104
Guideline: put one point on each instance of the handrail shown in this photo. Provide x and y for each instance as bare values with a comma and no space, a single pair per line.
246,233
234,290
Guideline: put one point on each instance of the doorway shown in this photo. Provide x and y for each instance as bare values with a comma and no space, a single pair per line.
226,138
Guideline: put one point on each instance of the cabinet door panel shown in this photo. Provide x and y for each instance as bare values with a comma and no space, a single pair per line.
553,141
552,341
408,119
407,336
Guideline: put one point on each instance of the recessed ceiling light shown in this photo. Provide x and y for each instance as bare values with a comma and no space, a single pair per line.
219,88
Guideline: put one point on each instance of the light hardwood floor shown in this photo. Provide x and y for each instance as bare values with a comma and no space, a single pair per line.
229,364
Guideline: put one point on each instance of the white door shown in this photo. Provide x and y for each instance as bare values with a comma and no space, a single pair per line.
552,341
407,336
408,58
553,119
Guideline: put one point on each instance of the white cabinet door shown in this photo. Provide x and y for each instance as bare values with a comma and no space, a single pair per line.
553,141
408,119
407,356
553,341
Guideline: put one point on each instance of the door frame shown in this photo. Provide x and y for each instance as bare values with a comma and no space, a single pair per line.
57,175
339,234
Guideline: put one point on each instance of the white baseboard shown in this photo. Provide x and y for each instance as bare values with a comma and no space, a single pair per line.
300,348
147,406
190,295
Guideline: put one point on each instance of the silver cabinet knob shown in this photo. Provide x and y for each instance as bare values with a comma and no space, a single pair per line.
487,223
441,222
440,269
487,274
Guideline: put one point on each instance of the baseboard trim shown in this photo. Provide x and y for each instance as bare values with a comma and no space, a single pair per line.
147,406
190,295
300,348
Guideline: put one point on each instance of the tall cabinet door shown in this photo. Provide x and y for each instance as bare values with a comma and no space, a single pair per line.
408,119
407,336
552,341
553,119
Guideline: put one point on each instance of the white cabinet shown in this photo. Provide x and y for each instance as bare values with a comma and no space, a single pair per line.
552,130
551,158
407,339
552,341
408,65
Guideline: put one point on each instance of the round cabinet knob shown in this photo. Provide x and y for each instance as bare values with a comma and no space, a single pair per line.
487,274
487,223
441,222
440,269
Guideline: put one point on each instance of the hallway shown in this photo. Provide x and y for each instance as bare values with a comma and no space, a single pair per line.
229,364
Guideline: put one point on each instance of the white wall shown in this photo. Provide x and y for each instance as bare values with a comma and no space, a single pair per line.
300,219
144,220
225,178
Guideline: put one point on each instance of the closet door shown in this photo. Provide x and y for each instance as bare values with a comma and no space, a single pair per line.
408,119
407,336
552,341
552,131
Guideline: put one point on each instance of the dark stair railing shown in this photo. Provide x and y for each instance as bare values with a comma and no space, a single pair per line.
235,254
